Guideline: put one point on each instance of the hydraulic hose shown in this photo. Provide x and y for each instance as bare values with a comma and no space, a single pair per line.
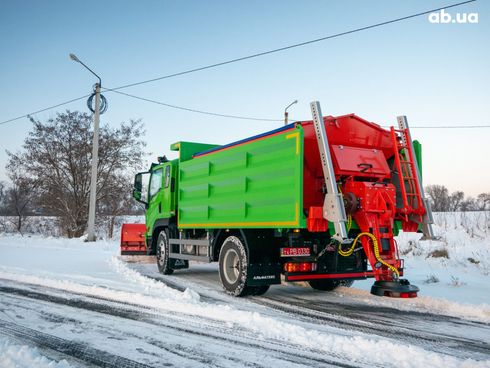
348,252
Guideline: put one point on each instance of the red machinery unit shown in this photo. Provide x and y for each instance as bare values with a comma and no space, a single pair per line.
133,239
376,176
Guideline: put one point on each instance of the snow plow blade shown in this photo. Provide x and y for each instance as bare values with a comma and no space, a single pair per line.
133,239
395,289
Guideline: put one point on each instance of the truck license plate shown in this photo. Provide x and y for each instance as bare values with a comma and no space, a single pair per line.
295,252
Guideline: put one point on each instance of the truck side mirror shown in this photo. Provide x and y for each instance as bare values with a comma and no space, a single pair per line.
139,193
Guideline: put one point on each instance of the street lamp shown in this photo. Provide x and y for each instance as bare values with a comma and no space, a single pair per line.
95,155
286,114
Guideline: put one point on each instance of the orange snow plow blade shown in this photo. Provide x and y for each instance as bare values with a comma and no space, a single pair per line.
133,239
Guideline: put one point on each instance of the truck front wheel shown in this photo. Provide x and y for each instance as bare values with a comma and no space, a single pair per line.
163,250
233,264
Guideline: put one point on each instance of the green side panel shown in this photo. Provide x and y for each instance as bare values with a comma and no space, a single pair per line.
417,148
187,149
258,184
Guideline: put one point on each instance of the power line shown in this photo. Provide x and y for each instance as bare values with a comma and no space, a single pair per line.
291,46
45,109
246,58
461,126
191,110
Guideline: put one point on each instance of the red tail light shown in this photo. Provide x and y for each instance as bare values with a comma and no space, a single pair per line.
299,267
304,267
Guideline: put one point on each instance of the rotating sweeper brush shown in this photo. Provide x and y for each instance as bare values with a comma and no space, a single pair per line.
395,289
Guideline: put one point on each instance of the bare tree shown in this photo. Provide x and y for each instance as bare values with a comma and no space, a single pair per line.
439,197
3,206
442,201
19,198
455,200
483,202
468,204
57,155
2,198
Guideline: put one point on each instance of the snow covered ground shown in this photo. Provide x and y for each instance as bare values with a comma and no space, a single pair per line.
66,303
15,355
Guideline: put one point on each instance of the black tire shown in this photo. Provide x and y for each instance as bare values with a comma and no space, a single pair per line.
258,290
329,285
233,265
162,252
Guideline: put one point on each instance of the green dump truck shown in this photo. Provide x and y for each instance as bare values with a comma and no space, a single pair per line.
317,201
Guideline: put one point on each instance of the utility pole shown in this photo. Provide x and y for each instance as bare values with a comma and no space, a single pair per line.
95,163
95,154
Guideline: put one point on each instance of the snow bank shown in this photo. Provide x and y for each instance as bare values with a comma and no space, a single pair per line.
465,236
475,312
22,356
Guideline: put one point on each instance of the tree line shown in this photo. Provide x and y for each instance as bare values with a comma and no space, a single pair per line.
443,201
50,175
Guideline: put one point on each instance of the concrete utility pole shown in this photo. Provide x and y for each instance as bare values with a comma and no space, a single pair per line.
95,156
286,114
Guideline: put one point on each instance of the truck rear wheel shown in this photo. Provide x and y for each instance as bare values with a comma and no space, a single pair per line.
329,285
233,265
162,251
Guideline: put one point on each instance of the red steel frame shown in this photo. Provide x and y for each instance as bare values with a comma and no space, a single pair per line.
348,136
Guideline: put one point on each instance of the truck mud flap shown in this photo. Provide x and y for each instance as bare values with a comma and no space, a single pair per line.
261,274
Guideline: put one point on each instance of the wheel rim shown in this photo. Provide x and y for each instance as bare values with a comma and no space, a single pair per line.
161,250
231,266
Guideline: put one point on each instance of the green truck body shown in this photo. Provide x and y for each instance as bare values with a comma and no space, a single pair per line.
257,184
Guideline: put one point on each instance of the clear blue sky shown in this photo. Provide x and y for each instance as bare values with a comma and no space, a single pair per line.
436,74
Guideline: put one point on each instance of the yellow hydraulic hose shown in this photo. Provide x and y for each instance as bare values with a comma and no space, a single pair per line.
349,251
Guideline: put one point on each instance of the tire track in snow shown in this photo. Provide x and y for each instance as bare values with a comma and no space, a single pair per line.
74,349
383,324
287,352
382,321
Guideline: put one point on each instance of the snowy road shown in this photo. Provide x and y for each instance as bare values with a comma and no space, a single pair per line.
81,307
441,333
102,328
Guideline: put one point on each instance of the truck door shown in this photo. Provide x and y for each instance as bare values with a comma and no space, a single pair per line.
154,198
168,190
161,194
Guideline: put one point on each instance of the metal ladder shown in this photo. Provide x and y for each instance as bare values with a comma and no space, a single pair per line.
413,196
333,205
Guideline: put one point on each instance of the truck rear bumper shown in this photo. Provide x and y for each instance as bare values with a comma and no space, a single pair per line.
316,276
133,250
